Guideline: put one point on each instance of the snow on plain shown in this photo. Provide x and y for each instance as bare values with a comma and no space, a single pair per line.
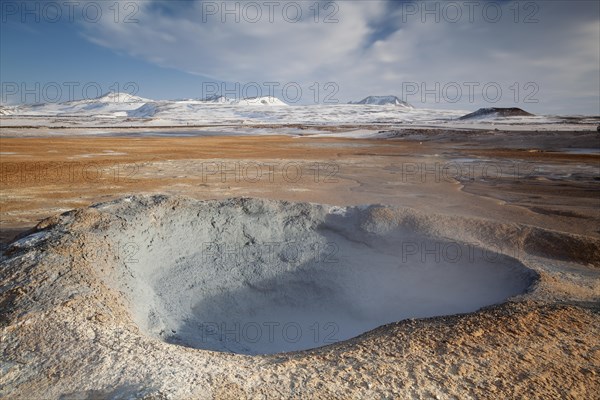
123,110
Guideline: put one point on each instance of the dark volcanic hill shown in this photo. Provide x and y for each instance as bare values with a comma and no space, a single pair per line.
495,112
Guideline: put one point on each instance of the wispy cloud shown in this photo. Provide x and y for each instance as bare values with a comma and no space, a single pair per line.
377,46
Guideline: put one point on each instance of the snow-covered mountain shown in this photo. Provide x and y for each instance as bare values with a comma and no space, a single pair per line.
218,99
251,101
113,105
110,104
261,101
383,101
7,110
112,97
146,110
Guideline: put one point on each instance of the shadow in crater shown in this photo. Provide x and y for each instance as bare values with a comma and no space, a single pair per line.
350,288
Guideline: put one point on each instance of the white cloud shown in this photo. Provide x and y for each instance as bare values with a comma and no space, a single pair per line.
240,51
560,53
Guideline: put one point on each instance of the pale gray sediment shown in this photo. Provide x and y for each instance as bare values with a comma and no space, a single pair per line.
114,296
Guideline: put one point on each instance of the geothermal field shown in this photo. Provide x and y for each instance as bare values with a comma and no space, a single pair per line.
299,200
446,258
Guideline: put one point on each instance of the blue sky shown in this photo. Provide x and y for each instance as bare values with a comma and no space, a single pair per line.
58,52
542,56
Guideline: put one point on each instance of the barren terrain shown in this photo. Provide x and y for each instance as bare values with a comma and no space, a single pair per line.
528,197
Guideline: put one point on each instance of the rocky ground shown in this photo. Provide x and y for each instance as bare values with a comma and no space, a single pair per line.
69,332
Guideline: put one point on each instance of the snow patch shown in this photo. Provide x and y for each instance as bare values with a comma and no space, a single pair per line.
261,101
383,101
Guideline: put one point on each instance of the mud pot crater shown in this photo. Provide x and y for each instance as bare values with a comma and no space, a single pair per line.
254,276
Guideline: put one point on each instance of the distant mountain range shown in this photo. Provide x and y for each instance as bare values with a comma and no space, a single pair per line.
112,97
383,101
264,100
115,104
116,108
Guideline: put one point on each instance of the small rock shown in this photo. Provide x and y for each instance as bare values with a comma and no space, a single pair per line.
478,333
